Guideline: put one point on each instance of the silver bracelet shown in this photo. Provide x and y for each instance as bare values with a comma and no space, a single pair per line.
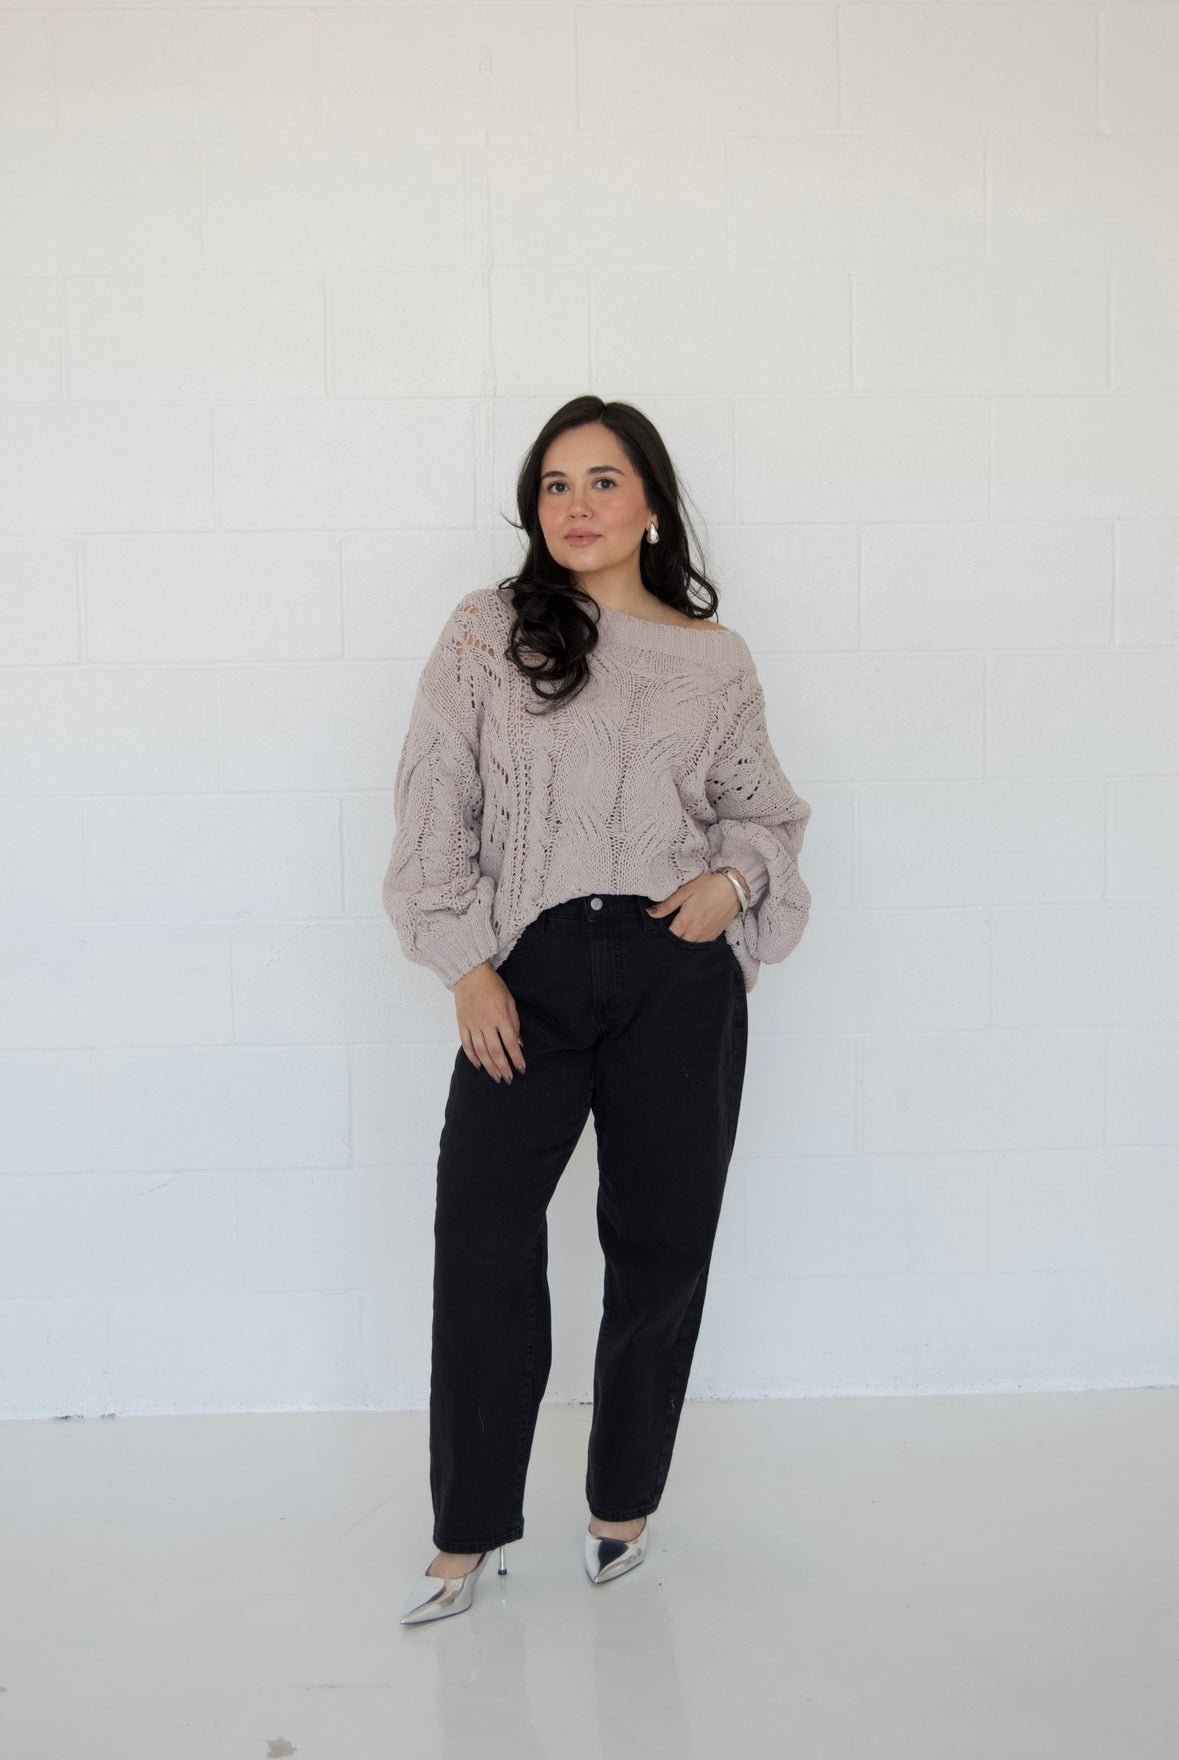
742,896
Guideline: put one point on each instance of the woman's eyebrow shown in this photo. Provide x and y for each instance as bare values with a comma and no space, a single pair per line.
590,469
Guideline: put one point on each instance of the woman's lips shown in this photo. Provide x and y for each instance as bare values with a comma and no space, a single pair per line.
582,538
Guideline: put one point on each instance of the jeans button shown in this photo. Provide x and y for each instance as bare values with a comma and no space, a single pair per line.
595,904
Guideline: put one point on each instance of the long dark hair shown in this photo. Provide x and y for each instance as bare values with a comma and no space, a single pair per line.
555,619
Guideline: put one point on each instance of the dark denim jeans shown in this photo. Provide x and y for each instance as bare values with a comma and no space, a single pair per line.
620,1016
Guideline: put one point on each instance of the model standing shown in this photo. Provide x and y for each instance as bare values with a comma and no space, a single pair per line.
596,849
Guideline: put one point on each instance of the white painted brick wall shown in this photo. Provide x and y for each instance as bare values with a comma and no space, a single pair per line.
285,291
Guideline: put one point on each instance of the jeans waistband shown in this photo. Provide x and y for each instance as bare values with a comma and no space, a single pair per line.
600,907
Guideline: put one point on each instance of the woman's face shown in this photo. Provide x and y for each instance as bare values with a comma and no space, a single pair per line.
587,484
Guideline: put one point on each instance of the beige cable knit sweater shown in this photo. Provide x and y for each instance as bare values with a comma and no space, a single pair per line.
660,769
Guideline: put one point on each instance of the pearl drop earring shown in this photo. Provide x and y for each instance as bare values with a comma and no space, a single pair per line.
652,533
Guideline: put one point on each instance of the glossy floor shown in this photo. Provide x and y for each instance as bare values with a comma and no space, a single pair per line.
989,1576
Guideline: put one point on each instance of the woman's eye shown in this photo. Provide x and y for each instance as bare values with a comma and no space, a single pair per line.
609,482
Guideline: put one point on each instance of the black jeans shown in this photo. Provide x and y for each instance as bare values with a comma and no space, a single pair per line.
623,1017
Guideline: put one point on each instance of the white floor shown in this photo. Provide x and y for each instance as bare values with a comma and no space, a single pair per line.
854,1579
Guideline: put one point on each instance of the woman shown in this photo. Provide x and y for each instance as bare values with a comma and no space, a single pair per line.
595,859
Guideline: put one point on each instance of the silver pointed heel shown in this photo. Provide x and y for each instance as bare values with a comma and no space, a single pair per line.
437,1597
606,1559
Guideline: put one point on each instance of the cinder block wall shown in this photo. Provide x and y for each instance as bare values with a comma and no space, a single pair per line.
284,293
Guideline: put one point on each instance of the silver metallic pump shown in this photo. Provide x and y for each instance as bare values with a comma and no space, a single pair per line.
606,1559
436,1597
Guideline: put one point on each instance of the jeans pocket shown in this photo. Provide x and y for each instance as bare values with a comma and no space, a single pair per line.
666,922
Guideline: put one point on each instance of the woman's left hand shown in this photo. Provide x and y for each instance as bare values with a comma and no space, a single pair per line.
703,907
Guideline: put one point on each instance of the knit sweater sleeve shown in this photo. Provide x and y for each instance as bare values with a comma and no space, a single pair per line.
434,892
760,821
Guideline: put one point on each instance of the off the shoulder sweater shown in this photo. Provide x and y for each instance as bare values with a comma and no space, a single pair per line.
659,770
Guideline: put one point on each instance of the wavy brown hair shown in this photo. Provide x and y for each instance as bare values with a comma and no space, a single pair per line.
556,620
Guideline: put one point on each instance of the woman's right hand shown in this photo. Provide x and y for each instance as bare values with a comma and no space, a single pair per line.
488,1022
